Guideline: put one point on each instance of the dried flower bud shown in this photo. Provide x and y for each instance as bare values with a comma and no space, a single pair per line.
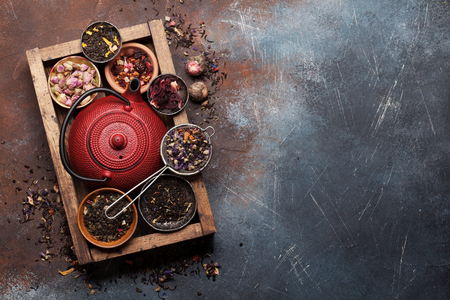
62,98
87,77
68,102
84,67
198,91
56,89
54,79
72,82
68,66
88,86
195,65
60,69
69,92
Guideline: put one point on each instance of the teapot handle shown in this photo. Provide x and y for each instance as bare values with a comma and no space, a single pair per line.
66,121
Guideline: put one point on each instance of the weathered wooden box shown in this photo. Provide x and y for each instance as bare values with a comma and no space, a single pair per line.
73,191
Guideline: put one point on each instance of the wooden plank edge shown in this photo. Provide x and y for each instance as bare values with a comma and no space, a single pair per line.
148,242
166,66
203,205
50,122
162,50
74,47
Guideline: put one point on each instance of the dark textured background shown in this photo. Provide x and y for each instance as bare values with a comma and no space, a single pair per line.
330,164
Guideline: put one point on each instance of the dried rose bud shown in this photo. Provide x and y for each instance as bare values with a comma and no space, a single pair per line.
72,82
68,66
60,69
84,67
87,77
62,98
56,89
54,79
68,102
195,65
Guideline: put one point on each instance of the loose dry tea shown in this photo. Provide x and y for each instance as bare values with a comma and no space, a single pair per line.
132,64
102,228
187,149
100,41
169,203
167,94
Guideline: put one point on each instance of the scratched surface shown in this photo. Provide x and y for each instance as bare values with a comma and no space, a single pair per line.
330,165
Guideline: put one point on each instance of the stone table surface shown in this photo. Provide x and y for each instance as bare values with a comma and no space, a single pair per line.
330,175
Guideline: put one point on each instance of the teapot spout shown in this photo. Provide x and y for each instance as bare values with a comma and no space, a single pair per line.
133,92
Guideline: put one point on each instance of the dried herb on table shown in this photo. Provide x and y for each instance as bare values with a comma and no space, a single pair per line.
187,149
99,226
169,203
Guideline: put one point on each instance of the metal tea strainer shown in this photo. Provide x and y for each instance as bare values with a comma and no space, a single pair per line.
174,165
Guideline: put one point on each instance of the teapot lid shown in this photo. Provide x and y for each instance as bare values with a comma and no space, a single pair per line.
117,140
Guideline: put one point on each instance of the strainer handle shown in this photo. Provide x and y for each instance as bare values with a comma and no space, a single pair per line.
62,151
212,128
154,176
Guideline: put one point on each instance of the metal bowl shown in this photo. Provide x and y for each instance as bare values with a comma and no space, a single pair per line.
79,60
168,226
182,92
171,165
115,32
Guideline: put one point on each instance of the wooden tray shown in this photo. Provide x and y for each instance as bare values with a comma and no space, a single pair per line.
73,191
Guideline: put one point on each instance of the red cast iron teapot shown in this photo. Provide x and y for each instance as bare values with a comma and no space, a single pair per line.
114,141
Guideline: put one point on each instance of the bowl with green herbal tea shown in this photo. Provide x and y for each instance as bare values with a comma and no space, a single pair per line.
168,204
101,42
187,148
168,94
97,228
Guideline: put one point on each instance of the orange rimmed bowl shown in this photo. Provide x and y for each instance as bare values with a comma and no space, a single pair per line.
111,78
85,232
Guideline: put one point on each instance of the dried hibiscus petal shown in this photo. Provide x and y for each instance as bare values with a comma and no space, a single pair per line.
164,93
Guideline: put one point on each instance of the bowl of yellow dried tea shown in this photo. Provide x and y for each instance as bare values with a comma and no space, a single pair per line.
101,42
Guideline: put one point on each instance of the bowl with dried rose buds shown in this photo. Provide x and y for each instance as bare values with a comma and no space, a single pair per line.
70,78
133,61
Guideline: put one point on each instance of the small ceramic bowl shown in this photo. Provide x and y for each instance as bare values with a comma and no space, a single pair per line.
136,46
85,232
77,60
155,86
101,42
